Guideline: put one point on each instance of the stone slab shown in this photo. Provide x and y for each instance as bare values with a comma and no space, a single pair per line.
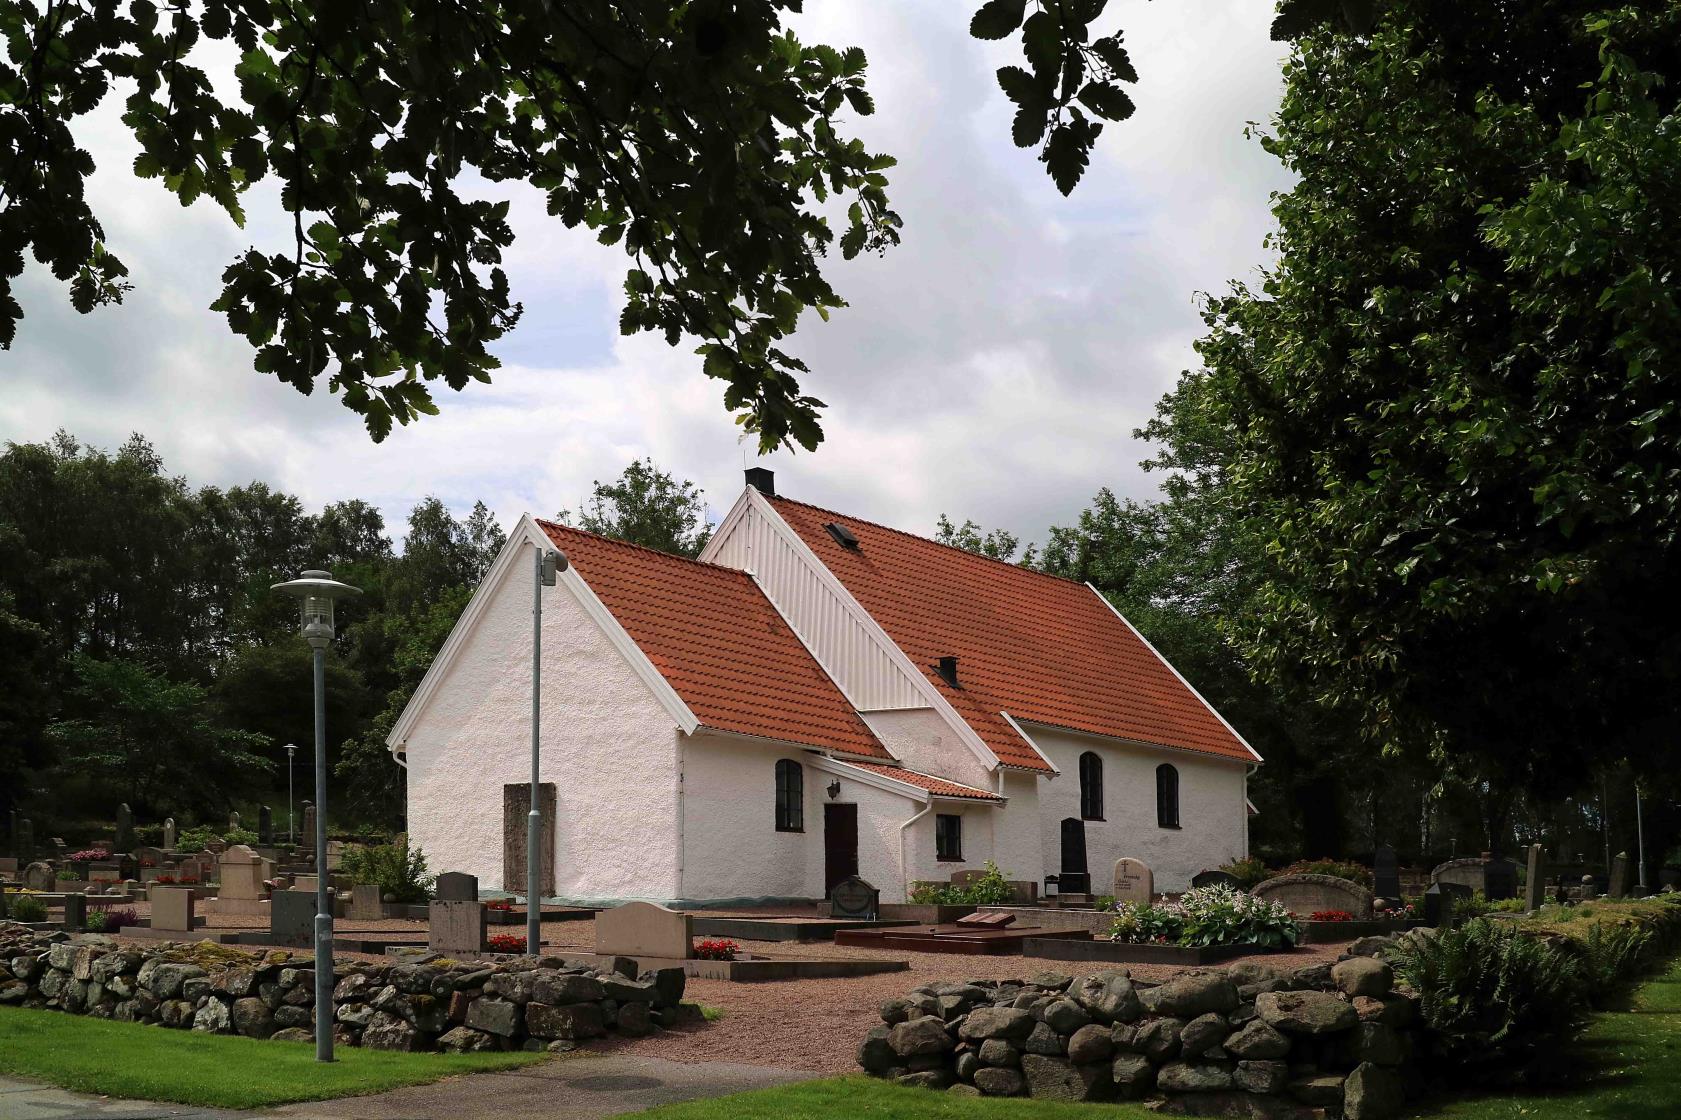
172,908
456,926
642,929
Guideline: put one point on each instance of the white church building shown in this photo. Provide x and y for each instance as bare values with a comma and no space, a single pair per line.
817,696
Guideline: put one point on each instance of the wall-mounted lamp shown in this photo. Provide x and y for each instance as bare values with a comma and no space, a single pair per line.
834,789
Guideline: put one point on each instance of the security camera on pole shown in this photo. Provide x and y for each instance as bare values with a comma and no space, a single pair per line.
549,563
316,591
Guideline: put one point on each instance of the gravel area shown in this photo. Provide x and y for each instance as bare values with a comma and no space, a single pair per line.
813,1025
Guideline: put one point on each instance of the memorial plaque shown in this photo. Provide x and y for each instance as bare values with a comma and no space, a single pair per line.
1134,881
852,897
641,929
457,886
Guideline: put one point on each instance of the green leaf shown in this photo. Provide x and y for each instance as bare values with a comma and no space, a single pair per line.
997,18
1107,100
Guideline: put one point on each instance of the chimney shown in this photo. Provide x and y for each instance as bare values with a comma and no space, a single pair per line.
762,479
947,668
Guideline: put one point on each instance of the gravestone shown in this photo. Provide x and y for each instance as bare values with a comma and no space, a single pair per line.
1133,881
233,822
305,882
1535,882
852,897
1470,873
125,827
1590,887
1619,876
1386,876
306,838
1500,879
291,919
39,876
149,857
169,834
76,912
457,886
365,903
1305,895
1214,879
455,926
335,854
172,908
265,825
1440,901
641,929
240,873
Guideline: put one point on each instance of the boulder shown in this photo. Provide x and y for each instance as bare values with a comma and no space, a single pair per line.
498,1016
1000,1081
1058,1079
1321,1091
997,1052
622,990
1091,1043
252,1018
1065,1016
997,1022
875,1054
1158,1039
388,1032
213,1018
1050,981
515,987
1310,1013
895,1011
569,1021
1258,1040
466,1040
1261,1076
1189,1077
927,1079
1191,994
1378,1044
293,1034
925,1035
168,978
1372,1092
1133,1076
557,989
1043,1040
1362,976
1111,999
1203,1032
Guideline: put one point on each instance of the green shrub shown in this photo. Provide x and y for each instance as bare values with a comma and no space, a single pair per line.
1612,957
1341,868
398,869
195,839
1208,916
28,908
1248,871
149,835
240,836
991,889
1493,999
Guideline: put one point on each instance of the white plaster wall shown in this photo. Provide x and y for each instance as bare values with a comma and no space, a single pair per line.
1016,835
731,848
922,853
921,739
1213,818
608,746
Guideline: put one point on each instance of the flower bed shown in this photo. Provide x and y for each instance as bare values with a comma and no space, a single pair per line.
1207,917
506,942
716,949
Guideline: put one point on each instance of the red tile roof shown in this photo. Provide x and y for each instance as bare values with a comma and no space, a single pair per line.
714,636
939,787
1044,649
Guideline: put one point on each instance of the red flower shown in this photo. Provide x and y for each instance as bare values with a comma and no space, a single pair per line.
507,943
1331,916
716,949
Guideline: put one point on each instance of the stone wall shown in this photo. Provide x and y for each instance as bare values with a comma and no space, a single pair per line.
437,1005
1249,1041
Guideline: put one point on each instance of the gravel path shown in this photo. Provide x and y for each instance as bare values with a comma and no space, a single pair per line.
812,1025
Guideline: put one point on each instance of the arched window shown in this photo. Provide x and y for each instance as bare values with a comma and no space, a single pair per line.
790,796
1091,787
1167,796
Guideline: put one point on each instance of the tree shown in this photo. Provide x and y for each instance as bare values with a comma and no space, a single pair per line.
24,704
647,506
1444,417
152,741
703,137
998,544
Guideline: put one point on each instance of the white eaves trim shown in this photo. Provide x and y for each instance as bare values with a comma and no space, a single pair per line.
1235,734
751,498
916,793
524,534
1028,739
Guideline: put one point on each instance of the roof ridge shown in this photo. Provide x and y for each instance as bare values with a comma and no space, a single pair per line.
546,524
930,540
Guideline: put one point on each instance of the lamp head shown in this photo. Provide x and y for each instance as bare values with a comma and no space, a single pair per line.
316,592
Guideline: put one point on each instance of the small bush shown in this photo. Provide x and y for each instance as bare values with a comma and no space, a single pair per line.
716,949
1206,916
27,908
149,835
110,921
1248,872
195,839
398,869
1341,868
240,836
1492,998
1613,956
506,943
991,889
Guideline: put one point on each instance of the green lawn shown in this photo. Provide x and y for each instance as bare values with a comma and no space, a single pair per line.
218,1071
1630,1070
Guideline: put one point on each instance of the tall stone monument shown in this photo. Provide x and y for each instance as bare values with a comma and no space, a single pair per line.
169,834
240,873
125,828
1535,883
1619,876
265,825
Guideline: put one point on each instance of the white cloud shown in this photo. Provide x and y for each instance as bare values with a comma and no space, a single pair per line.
993,366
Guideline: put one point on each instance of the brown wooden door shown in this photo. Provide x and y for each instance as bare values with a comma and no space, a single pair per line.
840,844
516,805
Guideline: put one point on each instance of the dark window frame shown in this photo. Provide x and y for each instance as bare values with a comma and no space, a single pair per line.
948,829
1167,796
1091,787
790,796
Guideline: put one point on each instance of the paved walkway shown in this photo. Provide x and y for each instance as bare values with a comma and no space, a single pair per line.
580,1087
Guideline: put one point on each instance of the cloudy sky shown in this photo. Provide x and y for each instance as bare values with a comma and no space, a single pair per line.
991,367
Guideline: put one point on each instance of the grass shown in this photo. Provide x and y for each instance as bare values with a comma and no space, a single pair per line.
1630,1069
711,1014
216,1071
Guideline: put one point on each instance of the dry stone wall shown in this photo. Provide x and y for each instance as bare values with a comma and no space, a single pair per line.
434,1005
1330,1040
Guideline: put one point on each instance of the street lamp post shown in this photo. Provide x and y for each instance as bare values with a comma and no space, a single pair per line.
547,564
291,750
316,592
1640,835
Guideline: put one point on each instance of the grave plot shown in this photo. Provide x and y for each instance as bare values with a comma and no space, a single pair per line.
958,937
